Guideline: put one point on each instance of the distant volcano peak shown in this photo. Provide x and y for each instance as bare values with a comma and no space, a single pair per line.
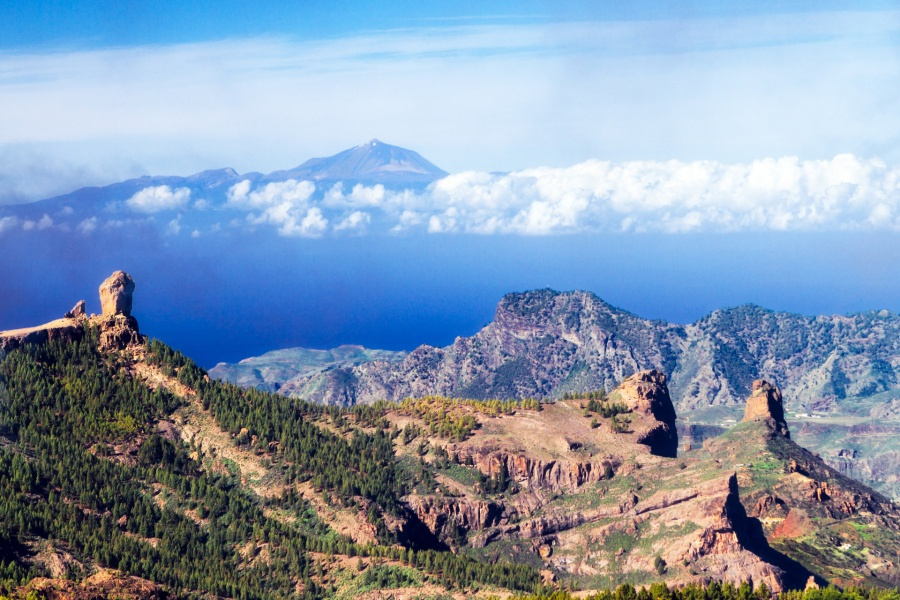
372,162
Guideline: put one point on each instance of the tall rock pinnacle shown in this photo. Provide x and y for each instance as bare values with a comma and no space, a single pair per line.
116,294
765,403
646,393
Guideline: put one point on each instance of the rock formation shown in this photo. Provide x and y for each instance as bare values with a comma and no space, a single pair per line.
765,404
78,311
646,393
116,294
118,329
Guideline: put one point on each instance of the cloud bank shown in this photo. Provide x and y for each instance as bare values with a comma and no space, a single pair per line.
845,193
784,194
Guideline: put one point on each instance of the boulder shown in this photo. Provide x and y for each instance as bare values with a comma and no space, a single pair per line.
116,294
765,404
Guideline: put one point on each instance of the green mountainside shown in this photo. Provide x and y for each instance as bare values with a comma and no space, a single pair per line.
127,472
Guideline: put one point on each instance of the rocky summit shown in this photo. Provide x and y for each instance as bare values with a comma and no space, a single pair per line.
116,327
765,404
116,294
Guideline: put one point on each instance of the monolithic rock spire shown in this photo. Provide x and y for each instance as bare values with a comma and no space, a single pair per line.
646,393
118,328
116,294
765,404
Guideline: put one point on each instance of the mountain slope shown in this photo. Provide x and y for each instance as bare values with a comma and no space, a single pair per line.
120,453
544,343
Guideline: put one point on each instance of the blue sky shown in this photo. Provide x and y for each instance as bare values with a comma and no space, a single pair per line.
103,23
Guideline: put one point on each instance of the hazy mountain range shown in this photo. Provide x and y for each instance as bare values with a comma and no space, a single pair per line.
369,164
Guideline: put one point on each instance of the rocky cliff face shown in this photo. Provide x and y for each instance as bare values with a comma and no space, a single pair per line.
591,499
116,294
646,393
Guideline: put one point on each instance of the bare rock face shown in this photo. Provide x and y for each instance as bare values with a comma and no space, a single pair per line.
78,311
104,584
116,294
646,393
765,404
118,332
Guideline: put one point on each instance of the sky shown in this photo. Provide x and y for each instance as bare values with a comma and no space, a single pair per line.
672,157
94,92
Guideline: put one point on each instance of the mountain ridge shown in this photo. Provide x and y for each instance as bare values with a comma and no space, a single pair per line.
762,335
839,373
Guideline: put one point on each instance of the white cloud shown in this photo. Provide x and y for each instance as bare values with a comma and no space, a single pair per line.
285,204
786,194
41,224
359,197
87,226
290,192
8,223
174,226
355,221
783,194
159,198
237,194
312,224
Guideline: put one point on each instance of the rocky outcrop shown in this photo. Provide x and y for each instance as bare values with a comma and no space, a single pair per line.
78,311
61,329
725,547
441,515
118,330
535,474
116,294
765,404
105,584
646,394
